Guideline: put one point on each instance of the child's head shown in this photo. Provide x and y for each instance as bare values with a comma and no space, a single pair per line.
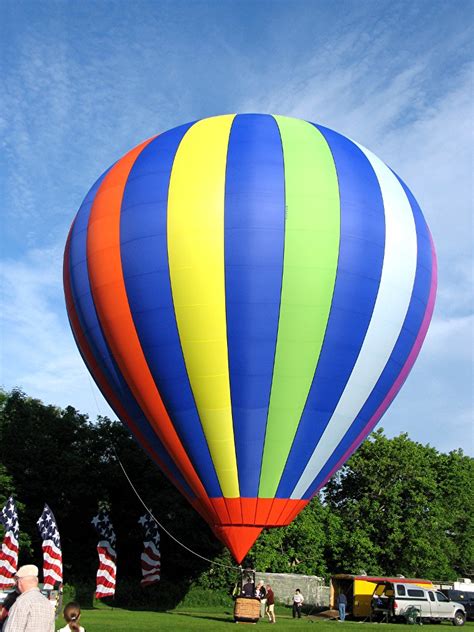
72,614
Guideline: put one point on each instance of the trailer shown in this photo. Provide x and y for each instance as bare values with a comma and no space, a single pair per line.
359,590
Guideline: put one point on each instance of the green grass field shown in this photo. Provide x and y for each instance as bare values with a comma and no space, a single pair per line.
104,619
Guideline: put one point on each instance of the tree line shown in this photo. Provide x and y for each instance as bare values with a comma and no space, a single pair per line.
396,507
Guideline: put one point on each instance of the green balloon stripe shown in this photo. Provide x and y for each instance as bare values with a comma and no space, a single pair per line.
312,235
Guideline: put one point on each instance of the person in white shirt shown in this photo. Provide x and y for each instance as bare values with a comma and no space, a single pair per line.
298,601
72,614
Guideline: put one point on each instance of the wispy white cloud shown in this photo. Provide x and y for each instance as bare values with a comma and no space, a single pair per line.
38,353
451,332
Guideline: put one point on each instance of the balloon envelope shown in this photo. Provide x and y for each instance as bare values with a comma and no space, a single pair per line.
249,292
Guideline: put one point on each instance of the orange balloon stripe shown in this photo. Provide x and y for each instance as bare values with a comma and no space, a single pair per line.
235,509
249,507
292,510
220,509
263,509
98,375
113,310
256,512
279,505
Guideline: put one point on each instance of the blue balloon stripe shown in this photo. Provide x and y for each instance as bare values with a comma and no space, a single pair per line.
91,329
357,281
254,239
144,254
403,346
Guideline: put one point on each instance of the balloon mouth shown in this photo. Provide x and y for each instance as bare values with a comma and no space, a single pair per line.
238,539
238,522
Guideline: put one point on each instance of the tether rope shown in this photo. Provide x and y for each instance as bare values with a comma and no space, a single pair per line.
234,568
161,526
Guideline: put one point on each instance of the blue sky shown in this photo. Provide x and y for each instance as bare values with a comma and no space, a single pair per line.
83,82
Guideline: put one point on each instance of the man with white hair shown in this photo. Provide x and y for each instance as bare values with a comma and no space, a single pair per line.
31,612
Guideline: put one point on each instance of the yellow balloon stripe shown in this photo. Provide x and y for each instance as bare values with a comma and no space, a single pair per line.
196,261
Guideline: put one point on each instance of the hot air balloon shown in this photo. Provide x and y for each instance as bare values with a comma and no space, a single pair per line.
249,292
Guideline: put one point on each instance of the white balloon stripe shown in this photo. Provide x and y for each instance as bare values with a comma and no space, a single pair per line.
391,306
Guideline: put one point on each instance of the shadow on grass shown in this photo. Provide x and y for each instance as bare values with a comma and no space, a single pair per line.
129,595
206,617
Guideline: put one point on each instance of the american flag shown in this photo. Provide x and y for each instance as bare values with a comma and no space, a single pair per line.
52,556
150,558
9,552
106,575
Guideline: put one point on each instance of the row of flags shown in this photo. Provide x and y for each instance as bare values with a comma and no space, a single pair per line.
52,556
107,571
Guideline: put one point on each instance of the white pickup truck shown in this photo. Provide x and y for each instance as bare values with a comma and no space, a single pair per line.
402,601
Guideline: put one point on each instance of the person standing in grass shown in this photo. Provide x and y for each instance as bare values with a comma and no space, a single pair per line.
72,614
297,603
341,604
261,593
270,604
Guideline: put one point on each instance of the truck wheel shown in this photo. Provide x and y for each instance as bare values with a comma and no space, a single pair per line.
459,618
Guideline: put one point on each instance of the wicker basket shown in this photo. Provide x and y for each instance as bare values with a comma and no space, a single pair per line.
247,610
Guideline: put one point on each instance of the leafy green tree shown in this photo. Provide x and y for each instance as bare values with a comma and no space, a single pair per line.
403,509
395,507
59,457
455,492
46,452
296,548
6,485
6,490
